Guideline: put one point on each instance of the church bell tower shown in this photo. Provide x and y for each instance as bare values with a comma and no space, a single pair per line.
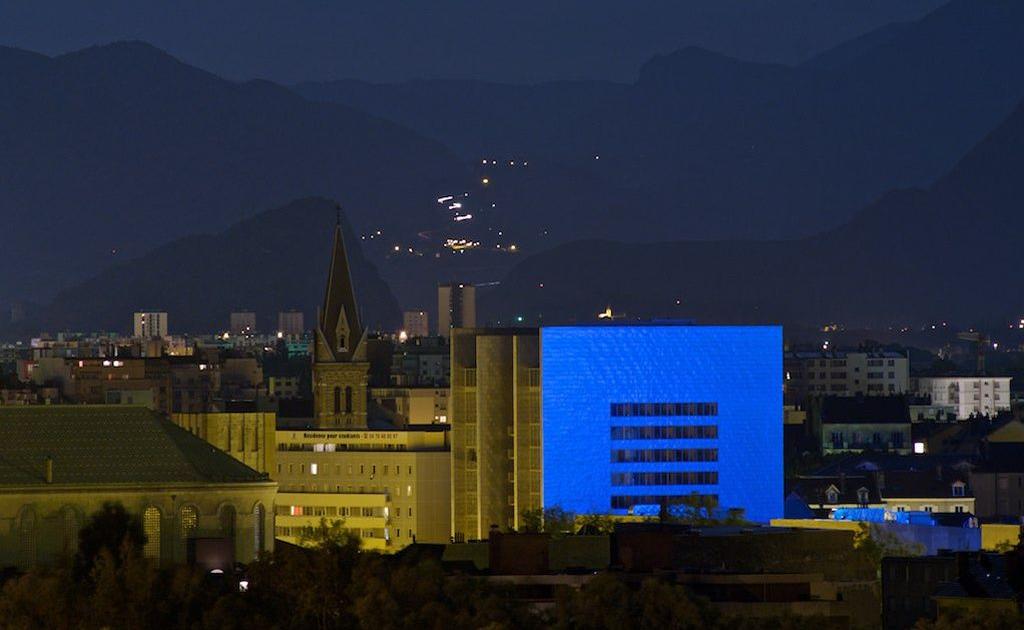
340,367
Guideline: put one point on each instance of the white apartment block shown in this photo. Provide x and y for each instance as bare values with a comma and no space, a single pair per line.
966,396
150,324
839,373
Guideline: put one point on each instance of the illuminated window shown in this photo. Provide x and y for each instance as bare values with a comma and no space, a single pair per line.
151,528
189,521
313,469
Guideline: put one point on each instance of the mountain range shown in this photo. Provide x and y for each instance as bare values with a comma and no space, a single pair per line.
110,151
275,260
724,148
944,253
770,180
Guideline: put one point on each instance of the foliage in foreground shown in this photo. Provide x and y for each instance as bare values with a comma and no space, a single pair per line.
330,585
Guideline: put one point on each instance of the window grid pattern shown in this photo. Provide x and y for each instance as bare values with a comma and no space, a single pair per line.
658,455
663,409
660,432
688,478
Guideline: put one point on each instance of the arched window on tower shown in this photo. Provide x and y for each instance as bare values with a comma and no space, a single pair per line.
348,400
337,400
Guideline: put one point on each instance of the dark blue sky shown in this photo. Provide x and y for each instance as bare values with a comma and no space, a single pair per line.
388,40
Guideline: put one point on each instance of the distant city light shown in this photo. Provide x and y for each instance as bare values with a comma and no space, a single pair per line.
919,448
403,336
607,314
280,335
485,181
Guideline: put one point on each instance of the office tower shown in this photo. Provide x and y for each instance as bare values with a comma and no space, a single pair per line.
494,409
640,416
456,307
149,324
243,323
614,419
415,323
290,323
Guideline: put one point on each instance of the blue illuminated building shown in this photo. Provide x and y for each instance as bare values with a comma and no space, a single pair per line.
634,416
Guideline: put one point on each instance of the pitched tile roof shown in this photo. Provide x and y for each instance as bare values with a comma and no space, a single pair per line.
107,444
864,409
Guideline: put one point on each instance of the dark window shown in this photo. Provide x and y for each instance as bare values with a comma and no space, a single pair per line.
337,400
348,400
623,456
687,478
623,410
648,432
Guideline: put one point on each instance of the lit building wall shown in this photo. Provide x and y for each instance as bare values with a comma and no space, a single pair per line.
495,418
149,324
391,488
631,414
246,436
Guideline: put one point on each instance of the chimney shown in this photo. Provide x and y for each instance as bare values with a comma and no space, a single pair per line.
842,482
48,469
880,480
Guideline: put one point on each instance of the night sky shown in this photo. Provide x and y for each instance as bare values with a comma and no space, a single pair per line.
389,40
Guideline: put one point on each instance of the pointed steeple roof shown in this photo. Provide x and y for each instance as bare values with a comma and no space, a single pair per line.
339,312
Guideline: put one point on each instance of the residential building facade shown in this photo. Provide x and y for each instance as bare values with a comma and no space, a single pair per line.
840,373
966,396
150,324
391,487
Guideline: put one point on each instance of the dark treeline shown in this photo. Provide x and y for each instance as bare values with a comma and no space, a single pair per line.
109,583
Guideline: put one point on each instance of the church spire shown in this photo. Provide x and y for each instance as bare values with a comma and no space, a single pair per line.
339,331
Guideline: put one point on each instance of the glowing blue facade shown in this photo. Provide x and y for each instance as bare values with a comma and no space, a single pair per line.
632,414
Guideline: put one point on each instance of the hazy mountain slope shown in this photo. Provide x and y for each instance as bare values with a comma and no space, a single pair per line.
109,151
727,148
276,260
913,256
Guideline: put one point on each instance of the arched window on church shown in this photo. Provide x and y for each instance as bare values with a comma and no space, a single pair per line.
348,400
27,537
69,521
151,519
337,400
226,515
258,514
